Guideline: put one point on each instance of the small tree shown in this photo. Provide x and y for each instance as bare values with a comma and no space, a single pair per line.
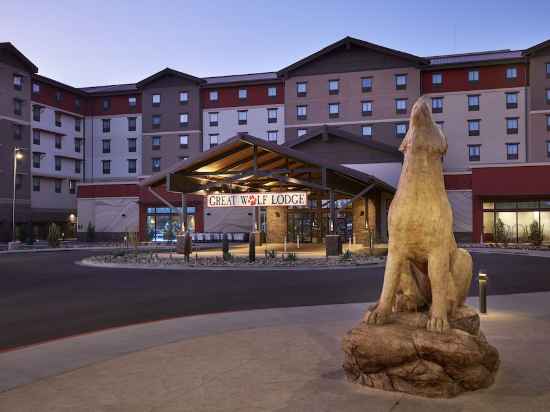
169,232
54,235
90,232
502,232
535,233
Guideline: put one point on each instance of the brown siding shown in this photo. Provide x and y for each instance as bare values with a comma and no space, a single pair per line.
47,96
119,105
256,95
538,80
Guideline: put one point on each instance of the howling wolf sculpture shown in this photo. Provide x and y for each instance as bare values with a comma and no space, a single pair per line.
424,265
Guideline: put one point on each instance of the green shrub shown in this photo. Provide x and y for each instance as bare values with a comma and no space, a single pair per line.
54,235
347,255
291,257
535,233
227,256
271,254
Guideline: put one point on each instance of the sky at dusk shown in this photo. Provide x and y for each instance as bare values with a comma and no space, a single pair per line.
85,43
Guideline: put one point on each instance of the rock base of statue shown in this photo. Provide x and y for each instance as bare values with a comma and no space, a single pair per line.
403,356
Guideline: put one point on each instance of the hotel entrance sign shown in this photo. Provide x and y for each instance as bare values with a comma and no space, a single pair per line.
257,199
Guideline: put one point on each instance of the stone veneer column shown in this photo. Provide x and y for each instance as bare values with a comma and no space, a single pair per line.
276,222
358,208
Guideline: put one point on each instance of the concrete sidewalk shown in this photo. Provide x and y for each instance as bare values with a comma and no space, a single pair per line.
265,360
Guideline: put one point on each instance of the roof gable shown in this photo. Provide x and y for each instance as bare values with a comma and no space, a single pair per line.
537,48
166,73
350,54
12,51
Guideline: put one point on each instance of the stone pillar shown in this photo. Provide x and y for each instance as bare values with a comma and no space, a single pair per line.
276,222
373,207
359,217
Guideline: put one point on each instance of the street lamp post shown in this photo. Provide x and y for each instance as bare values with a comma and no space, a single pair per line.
17,155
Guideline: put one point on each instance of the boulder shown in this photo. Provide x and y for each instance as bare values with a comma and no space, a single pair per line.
403,356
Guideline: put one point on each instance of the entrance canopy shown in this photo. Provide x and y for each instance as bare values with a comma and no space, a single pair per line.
248,164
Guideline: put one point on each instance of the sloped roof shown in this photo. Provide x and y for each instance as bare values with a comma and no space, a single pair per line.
533,49
241,78
112,88
335,131
356,42
60,85
168,72
477,57
26,62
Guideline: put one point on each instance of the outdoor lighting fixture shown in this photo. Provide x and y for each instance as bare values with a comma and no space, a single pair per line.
17,155
482,279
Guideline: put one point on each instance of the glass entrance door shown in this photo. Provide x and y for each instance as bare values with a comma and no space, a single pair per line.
300,223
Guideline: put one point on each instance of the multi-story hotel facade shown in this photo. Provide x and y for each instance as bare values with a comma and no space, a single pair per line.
84,150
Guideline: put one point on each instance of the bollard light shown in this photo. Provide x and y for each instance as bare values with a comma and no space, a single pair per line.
482,279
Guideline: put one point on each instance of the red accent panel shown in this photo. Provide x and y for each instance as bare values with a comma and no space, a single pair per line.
256,96
119,105
511,181
477,218
458,182
490,77
115,190
47,97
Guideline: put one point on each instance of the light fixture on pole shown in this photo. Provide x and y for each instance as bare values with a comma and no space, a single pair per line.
17,155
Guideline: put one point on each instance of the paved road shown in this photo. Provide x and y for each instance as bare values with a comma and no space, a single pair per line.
46,296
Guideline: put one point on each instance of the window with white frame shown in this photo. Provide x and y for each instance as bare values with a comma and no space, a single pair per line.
512,151
272,115
474,152
213,119
155,164
547,65
511,73
512,125
473,75
400,106
333,86
242,116
184,119
57,163
473,127
243,94
272,91
155,143
132,101
400,81
366,130
213,95
473,103
301,89
301,132
366,108
437,104
132,145
132,165
184,141
512,100
301,112
272,136
334,110
401,130
184,97
155,99
366,84
36,88
214,139
17,81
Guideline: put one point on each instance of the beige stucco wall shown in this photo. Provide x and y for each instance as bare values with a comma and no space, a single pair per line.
106,214
228,219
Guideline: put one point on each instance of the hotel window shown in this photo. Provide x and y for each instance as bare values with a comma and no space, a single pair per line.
184,97
17,107
58,96
58,119
301,112
57,161
437,79
547,94
213,95
272,91
473,103
301,132
400,81
548,122
184,141
57,185
132,145
132,163
77,145
17,81
213,119
72,186
58,142
548,148
366,84
106,167
473,127
474,152
155,121
243,94
547,65
155,143
77,124
106,104
77,103
36,184
36,136
132,101
400,106
35,88
512,151
366,108
272,115
17,131
511,100
77,164
437,104
400,130
155,164
184,119
473,75
132,122
36,113
333,86
301,89
155,100
36,160
366,131
334,110
242,116
511,73
512,125
272,136
106,146
213,139
106,125
183,157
